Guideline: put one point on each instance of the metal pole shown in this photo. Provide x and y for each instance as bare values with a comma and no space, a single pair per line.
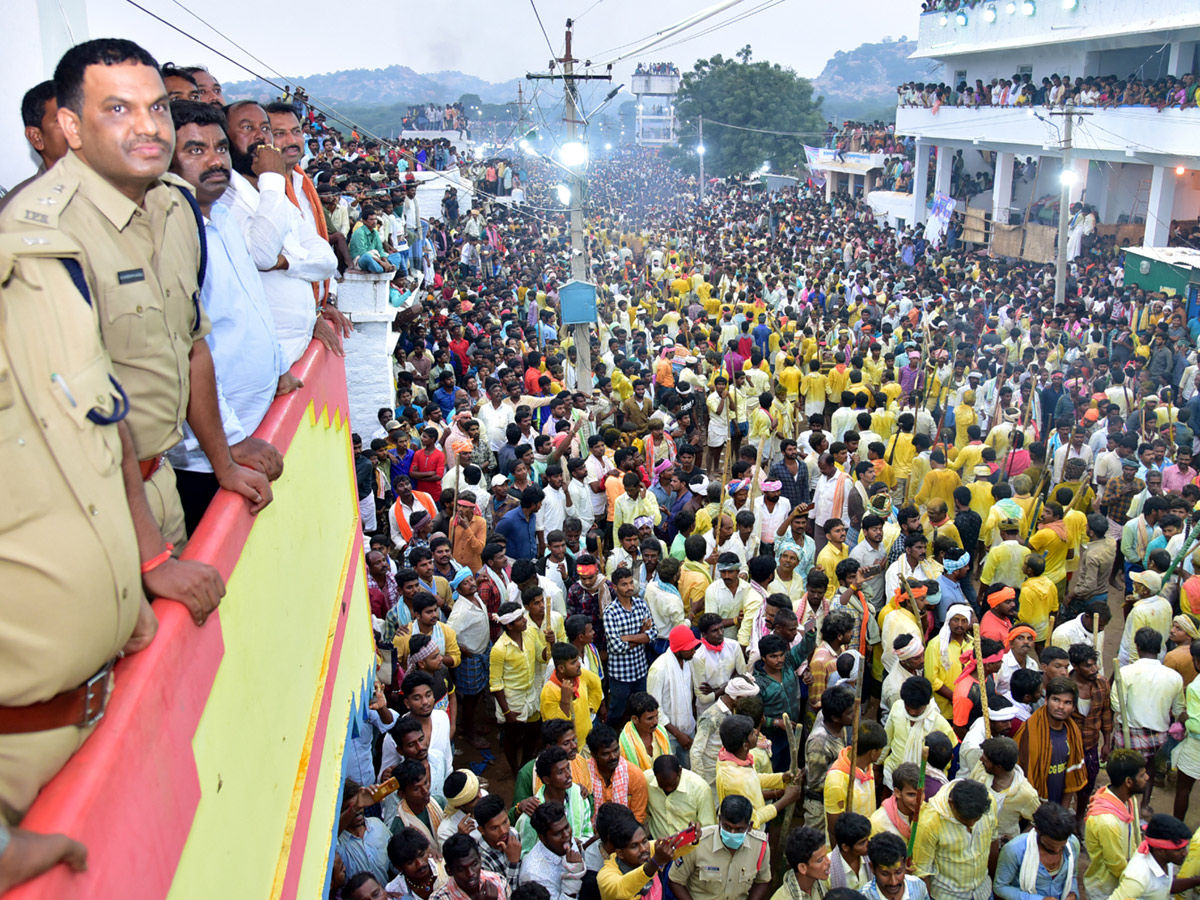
1064,202
701,151
583,347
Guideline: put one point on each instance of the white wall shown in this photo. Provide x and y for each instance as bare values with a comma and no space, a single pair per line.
36,34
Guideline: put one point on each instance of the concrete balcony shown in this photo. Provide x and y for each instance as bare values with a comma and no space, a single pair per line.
990,27
1124,134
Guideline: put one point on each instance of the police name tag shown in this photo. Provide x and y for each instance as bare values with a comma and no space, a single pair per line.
131,276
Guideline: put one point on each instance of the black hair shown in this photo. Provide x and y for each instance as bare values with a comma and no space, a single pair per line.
358,880
735,731
1053,821
1024,684
546,815
801,844
457,848
33,104
836,700
414,680
405,846
1002,752
641,703
850,828
735,808
600,736
916,691
492,805
940,750
278,107
1167,828
871,736
409,773
1147,641
906,775
70,71
1124,763
548,759
970,799
886,849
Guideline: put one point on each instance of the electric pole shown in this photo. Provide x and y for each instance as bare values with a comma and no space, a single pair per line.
1067,180
700,150
579,268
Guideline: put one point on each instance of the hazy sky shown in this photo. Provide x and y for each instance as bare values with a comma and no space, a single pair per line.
495,40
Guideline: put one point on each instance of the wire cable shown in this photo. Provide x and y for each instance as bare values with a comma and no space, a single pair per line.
586,11
538,16
457,184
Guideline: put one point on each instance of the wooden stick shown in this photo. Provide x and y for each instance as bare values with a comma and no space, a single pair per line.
730,404
791,729
1096,643
978,643
912,835
862,671
904,586
1119,683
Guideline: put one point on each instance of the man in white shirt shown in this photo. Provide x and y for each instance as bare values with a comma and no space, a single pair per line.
1154,694
289,254
831,496
247,359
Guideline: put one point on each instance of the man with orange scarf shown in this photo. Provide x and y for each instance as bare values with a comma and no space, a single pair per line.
289,141
1051,744
1110,834
872,740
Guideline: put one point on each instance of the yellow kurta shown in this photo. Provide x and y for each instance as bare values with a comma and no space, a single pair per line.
748,783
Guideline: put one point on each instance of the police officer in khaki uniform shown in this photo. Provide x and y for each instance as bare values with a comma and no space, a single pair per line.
142,261
731,861
69,555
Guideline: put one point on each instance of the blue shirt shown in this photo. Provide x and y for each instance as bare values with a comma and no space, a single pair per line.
247,358
445,399
950,593
1008,872
520,533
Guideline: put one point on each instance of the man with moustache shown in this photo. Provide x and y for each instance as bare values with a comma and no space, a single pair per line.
138,228
289,138
288,252
247,357
209,88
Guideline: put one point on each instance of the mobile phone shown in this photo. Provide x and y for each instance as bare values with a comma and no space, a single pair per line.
687,836
382,790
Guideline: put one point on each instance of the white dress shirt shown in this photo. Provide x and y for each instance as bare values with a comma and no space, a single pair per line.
1154,693
273,226
247,358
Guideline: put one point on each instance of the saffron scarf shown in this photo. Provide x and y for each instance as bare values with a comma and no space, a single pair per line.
320,289
897,818
842,764
1037,734
633,748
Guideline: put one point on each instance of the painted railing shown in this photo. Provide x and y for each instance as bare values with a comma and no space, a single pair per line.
216,771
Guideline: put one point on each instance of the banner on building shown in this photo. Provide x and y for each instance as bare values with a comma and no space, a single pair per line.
939,218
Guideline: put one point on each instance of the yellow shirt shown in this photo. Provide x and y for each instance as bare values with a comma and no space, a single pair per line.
1003,563
813,386
982,502
1047,542
953,858
903,456
585,705
947,530
939,484
966,459
790,378
883,423
941,675
691,801
510,669
749,783
835,794
964,418
827,561
1039,599
839,380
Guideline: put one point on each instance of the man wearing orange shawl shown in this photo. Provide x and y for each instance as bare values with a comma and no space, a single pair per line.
1051,744
872,740
1110,835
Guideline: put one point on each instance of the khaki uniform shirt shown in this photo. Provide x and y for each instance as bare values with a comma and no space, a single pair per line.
141,264
68,553
714,872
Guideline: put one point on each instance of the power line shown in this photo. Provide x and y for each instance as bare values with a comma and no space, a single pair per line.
470,188
538,15
762,8
586,11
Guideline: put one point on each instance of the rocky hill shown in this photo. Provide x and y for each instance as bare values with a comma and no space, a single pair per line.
395,84
861,83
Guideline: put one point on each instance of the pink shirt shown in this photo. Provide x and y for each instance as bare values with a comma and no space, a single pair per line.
1174,478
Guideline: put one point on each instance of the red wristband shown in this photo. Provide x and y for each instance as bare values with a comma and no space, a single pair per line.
151,564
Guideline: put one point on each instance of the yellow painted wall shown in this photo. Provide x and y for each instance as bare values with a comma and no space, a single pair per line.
277,621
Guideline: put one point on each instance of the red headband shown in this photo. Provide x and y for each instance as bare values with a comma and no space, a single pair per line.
1017,631
1160,844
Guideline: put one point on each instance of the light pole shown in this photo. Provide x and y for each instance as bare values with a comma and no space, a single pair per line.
700,153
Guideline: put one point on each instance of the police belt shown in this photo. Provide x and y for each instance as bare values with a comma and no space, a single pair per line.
82,707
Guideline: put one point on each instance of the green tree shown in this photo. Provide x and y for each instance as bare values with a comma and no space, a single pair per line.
754,95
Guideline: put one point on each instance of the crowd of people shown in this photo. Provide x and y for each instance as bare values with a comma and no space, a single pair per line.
656,69
805,575
1056,91
432,117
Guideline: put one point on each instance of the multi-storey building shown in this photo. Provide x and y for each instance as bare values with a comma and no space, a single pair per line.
1134,162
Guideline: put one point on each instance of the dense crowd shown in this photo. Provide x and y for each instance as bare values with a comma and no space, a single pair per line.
796,579
432,117
1055,91
656,69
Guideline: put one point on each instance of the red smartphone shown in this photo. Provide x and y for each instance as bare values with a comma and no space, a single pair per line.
687,836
